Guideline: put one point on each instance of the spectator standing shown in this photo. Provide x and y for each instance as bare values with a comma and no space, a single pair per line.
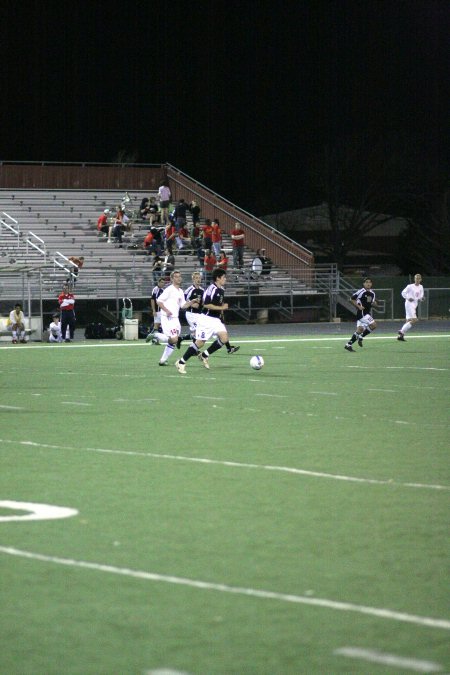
157,268
216,237
183,239
164,195
207,235
209,264
169,264
54,330
66,302
413,294
237,236
180,214
196,238
17,324
195,211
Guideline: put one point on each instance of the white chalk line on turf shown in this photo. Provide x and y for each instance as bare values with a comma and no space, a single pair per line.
135,343
381,613
374,656
227,463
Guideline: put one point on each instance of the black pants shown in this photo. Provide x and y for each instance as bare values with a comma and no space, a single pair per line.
67,319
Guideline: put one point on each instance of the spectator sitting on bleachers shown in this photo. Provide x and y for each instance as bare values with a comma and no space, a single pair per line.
144,209
183,239
207,235
169,236
157,268
196,238
261,265
222,261
149,243
153,211
102,223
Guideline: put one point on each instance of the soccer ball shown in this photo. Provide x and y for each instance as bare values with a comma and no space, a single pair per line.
257,362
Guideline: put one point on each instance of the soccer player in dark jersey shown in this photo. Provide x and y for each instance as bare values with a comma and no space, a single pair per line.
209,324
193,291
364,300
156,292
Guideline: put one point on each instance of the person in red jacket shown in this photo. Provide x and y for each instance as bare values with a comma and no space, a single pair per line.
149,244
209,262
102,223
216,237
66,302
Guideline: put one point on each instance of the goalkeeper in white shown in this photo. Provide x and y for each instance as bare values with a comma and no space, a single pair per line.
413,294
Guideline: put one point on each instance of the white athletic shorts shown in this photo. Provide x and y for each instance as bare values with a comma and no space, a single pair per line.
410,310
192,319
157,318
207,326
365,321
170,325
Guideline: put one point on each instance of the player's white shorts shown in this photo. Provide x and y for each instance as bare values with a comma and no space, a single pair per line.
192,319
55,338
365,321
170,326
410,310
208,326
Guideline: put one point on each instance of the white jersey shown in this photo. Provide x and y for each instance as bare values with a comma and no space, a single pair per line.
55,331
413,292
173,299
14,318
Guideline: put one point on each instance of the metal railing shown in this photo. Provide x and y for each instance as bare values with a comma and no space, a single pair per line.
40,247
15,229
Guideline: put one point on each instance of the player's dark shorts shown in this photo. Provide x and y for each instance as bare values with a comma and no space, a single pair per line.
164,204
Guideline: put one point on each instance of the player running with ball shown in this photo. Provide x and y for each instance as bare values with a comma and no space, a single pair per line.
364,300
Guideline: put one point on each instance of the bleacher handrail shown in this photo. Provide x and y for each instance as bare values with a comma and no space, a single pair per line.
30,242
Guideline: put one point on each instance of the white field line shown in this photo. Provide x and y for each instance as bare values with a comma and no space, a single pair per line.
124,345
10,407
380,613
375,656
231,464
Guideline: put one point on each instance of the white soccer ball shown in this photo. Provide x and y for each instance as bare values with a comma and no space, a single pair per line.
257,362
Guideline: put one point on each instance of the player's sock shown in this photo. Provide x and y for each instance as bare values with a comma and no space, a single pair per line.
406,327
353,339
365,332
192,350
167,352
217,344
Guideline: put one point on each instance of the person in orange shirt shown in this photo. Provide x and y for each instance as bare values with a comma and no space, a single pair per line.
216,237
222,262
102,223
209,262
149,244
207,235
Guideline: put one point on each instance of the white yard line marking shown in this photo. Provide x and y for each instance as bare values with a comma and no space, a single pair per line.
325,393
244,341
11,407
236,465
388,391
381,613
375,656
273,395
75,403
211,398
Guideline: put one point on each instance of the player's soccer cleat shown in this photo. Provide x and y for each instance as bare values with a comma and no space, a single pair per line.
67,340
23,341
360,342
181,367
164,363
401,337
14,341
204,360
155,341
149,337
349,348
233,349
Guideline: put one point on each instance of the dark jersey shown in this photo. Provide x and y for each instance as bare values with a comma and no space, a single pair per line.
156,292
366,298
213,296
193,292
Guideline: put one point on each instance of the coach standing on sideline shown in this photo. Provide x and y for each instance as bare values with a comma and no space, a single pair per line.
67,306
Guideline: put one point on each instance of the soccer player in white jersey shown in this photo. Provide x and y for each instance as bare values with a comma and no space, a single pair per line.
413,294
54,330
171,301
209,323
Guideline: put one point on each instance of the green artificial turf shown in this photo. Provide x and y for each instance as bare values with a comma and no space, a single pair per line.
192,477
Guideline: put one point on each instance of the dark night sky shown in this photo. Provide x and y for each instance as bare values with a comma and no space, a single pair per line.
237,94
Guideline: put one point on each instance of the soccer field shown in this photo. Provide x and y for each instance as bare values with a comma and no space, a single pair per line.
291,520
